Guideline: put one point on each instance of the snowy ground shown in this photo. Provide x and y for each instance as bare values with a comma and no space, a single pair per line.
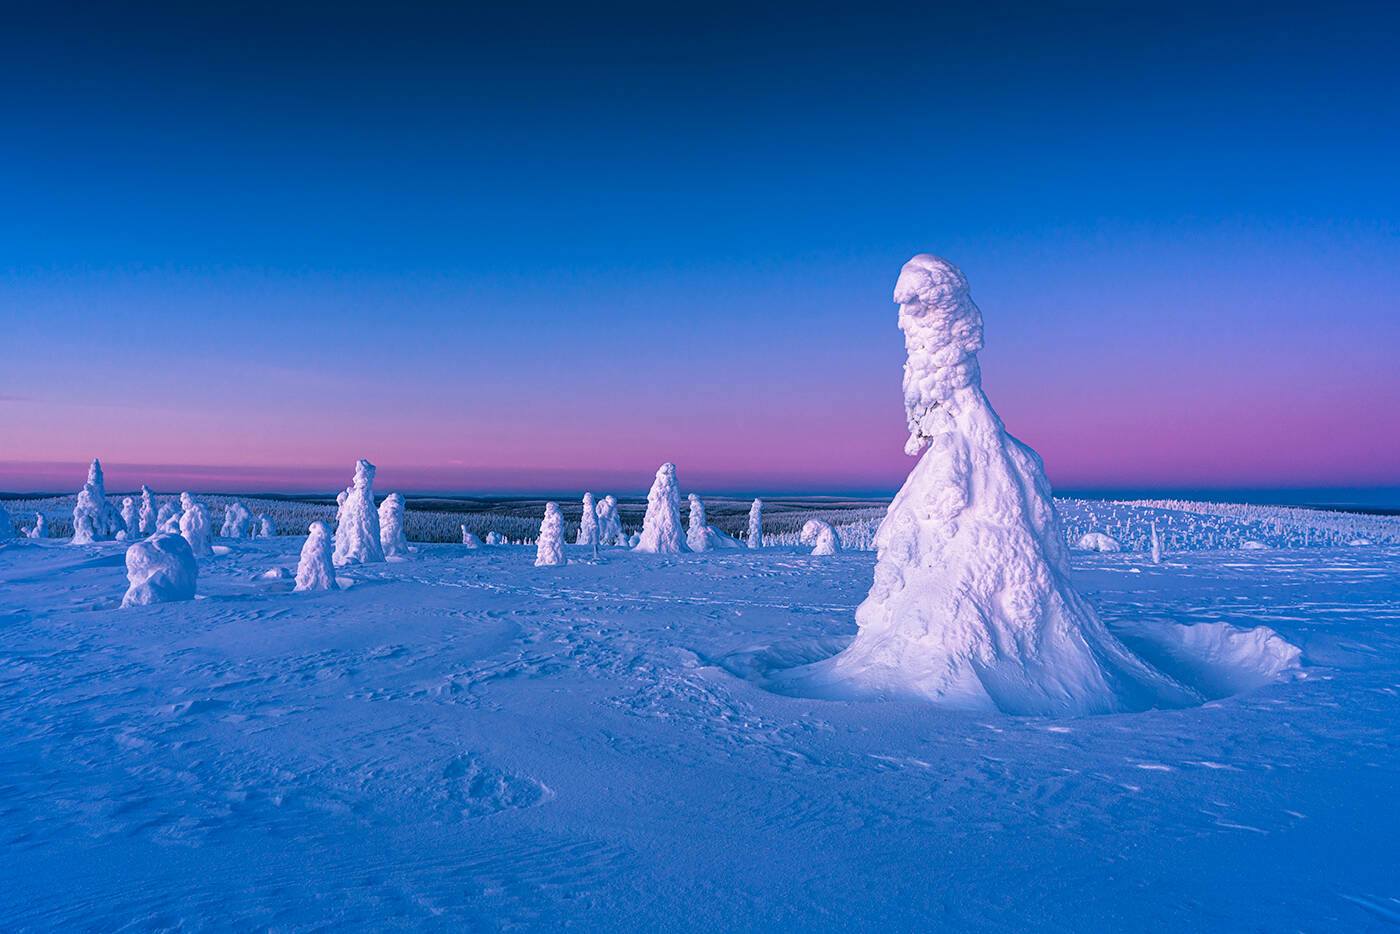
462,741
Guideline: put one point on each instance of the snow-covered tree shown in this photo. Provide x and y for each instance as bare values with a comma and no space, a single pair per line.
131,522
391,535
820,534
549,547
195,526
697,535
146,516
357,524
41,526
495,538
470,540
1098,541
1156,545
237,520
661,529
316,569
588,525
7,523
84,533
972,604
103,517
168,519
756,524
266,527
609,525
160,569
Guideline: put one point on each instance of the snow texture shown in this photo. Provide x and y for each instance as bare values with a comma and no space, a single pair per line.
661,528
756,524
609,524
195,526
820,534
588,522
316,567
160,569
972,605
357,525
549,547
391,535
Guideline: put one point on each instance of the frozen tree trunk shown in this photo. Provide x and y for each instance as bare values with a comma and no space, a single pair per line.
609,525
972,605
661,529
391,536
316,569
588,525
357,523
756,524
160,569
549,548
195,526
697,536
820,535
147,514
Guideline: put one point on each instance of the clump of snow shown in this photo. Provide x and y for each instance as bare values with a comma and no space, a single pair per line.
391,535
588,524
316,568
160,569
146,517
1217,659
237,520
1253,546
549,547
266,527
84,533
1098,541
661,528
357,523
41,527
194,526
492,537
609,524
131,522
822,535
972,604
470,540
756,524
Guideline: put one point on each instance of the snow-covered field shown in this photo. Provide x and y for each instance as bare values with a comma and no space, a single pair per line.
463,741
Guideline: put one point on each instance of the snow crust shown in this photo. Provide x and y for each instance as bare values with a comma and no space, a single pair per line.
316,567
160,569
972,605
357,525
549,547
661,528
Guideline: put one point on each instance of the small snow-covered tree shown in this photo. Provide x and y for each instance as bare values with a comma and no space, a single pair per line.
549,547
1156,545
756,524
470,540
168,519
237,520
147,515
266,527
131,522
661,528
195,526
1098,541
822,535
609,525
495,538
41,526
697,536
92,503
588,525
357,524
316,569
84,532
160,569
391,535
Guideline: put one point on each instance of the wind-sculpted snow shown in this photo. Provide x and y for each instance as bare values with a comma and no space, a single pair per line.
391,535
462,742
160,569
588,522
357,521
316,566
237,521
194,526
549,547
661,528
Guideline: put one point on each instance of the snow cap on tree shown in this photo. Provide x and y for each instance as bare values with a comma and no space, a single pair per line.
661,529
697,536
316,569
549,548
41,526
266,527
237,520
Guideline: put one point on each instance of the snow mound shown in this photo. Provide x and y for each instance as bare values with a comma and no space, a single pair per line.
820,533
160,569
972,605
1098,541
1217,659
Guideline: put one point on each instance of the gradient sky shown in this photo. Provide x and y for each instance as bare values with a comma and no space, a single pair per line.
547,246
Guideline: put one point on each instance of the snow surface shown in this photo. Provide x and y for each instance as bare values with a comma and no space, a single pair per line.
461,743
